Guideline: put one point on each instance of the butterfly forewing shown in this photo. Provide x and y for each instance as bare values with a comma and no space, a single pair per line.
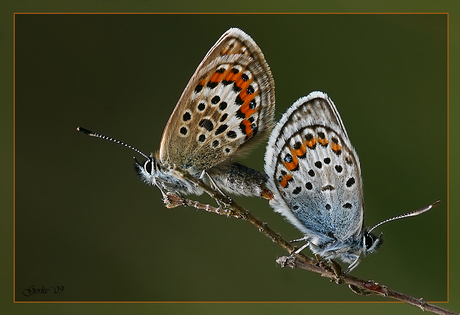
314,171
228,103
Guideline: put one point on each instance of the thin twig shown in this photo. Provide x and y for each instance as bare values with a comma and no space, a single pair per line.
332,271
172,201
363,287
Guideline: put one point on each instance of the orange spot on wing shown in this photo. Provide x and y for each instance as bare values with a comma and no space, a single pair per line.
310,143
323,141
295,162
336,147
202,82
217,77
247,127
244,94
301,151
285,179
230,76
247,98
241,83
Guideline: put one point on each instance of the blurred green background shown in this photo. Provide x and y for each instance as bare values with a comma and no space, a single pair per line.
85,221
100,231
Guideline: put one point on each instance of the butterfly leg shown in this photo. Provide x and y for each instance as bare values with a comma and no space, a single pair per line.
174,199
291,257
332,266
353,265
216,187
301,248
170,199
299,240
320,261
337,270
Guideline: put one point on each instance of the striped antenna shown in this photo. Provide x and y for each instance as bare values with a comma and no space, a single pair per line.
407,215
98,135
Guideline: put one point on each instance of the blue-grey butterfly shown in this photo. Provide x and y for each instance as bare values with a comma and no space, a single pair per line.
315,177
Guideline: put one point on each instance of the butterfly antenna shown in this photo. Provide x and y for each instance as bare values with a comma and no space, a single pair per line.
98,135
407,215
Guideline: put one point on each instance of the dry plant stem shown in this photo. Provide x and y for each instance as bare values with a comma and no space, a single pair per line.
173,201
366,287
358,286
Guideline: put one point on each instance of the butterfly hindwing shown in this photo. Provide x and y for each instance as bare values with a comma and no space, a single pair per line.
314,172
228,103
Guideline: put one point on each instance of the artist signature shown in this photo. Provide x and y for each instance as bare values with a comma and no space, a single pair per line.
43,290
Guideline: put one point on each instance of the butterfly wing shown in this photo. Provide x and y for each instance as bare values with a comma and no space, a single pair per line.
314,172
227,104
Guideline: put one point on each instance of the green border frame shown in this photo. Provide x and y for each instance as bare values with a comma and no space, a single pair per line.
6,51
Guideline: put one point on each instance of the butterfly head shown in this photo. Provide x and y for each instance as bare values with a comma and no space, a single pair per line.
154,172
348,250
149,170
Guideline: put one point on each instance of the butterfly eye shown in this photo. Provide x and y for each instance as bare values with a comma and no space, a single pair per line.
148,166
372,242
368,241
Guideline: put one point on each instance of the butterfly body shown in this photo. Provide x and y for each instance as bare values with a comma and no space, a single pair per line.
232,178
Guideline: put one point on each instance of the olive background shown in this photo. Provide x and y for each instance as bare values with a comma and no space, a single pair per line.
83,220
